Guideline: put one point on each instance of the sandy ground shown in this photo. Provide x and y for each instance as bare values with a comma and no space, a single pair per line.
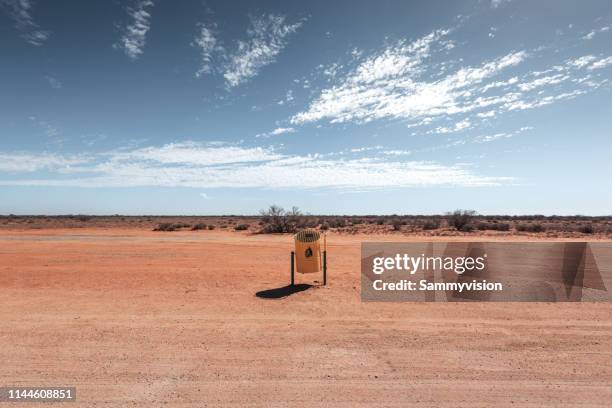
137,318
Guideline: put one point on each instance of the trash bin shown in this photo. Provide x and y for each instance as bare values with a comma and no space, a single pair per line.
308,251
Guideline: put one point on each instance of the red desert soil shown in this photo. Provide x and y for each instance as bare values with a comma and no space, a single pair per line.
140,318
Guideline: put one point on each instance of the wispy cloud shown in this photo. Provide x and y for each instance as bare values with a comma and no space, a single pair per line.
389,85
268,36
20,12
277,131
196,165
602,63
593,33
134,37
53,82
19,162
500,135
497,3
208,45
413,82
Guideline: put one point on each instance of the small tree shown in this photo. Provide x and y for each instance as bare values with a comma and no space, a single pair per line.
277,220
397,225
461,219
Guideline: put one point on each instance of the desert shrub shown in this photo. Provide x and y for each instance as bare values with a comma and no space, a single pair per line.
277,220
357,221
306,222
211,227
431,224
587,229
337,223
536,227
481,226
493,226
223,226
241,227
83,218
165,226
380,221
397,225
461,219
324,226
198,226
502,226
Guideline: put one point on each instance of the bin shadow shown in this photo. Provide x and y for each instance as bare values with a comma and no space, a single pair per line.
282,292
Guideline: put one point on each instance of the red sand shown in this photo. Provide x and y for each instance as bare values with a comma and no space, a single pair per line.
133,317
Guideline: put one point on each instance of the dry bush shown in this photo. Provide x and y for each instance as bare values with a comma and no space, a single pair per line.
165,226
277,220
431,224
461,219
535,227
397,225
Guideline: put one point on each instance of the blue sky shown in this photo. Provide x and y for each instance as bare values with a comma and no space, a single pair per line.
344,107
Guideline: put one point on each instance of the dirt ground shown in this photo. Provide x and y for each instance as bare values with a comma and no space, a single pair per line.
138,318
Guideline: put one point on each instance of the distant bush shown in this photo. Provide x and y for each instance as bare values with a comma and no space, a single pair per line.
380,221
337,223
198,226
494,226
502,226
241,227
431,224
165,226
211,227
461,219
587,229
223,226
324,226
536,227
277,220
397,225
83,218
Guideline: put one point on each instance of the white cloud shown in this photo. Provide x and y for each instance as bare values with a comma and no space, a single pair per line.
208,45
20,12
602,63
134,38
582,61
544,81
195,154
53,82
205,196
501,135
288,98
404,82
497,3
390,85
28,162
277,131
589,36
281,130
267,38
593,33
208,166
457,127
